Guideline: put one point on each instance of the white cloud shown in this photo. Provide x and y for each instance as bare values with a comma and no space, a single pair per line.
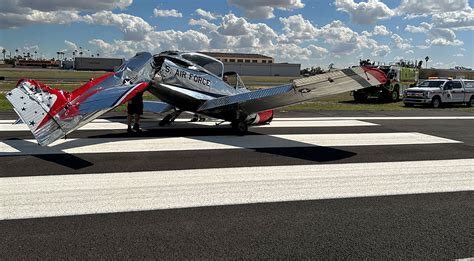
18,13
410,52
455,20
297,28
365,12
458,55
206,14
381,50
189,40
204,24
343,40
400,43
443,36
435,36
246,34
13,20
70,46
264,8
317,52
56,5
166,13
234,26
290,53
423,28
133,27
122,48
381,30
426,7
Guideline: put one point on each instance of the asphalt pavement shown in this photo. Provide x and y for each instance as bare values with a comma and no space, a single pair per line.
321,185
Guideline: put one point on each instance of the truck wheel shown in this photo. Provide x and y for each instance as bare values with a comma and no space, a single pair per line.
360,96
436,103
470,103
395,95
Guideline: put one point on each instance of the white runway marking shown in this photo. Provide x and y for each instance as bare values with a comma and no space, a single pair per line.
380,118
64,195
90,126
108,125
102,124
111,145
299,123
94,121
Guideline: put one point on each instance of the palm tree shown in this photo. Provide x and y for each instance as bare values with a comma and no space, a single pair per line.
4,52
427,59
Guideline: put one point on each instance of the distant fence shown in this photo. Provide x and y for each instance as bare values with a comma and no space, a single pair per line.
426,73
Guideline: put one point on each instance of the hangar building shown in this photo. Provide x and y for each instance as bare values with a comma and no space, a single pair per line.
255,64
96,63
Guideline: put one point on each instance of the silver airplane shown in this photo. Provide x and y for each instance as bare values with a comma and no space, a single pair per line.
182,81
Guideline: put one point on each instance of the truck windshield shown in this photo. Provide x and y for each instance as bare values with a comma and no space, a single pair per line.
431,84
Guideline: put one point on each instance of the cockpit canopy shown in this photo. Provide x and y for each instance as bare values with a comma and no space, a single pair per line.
213,65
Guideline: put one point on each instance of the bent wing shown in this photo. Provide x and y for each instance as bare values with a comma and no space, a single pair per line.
300,90
52,113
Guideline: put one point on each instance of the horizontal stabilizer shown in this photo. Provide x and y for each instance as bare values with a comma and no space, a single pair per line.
32,104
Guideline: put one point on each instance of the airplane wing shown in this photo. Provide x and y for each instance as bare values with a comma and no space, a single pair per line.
300,90
52,113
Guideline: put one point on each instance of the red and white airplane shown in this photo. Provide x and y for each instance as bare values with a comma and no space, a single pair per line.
182,81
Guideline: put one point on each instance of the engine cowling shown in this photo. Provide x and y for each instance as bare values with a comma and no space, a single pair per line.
263,117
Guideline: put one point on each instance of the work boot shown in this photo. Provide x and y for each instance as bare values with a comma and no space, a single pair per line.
129,130
136,127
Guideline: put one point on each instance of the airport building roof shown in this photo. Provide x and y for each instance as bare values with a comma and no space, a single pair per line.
236,55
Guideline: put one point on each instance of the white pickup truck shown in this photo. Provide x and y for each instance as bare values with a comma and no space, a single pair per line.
436,92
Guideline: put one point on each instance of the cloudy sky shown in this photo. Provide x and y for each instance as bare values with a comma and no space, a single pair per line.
314,33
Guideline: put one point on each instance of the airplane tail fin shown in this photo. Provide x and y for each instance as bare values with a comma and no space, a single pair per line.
35,104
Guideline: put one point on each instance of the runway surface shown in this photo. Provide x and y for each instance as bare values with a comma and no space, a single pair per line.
331,185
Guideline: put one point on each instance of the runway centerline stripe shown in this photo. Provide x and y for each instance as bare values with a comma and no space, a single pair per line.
63,195
111,145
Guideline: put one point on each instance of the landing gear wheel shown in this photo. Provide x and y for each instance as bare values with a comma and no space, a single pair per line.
240,127
436,103
166,120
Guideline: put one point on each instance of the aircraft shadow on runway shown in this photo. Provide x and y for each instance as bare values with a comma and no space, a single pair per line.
59,157
214,134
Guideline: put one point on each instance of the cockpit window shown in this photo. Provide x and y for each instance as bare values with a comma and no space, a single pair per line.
212,65
434,84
